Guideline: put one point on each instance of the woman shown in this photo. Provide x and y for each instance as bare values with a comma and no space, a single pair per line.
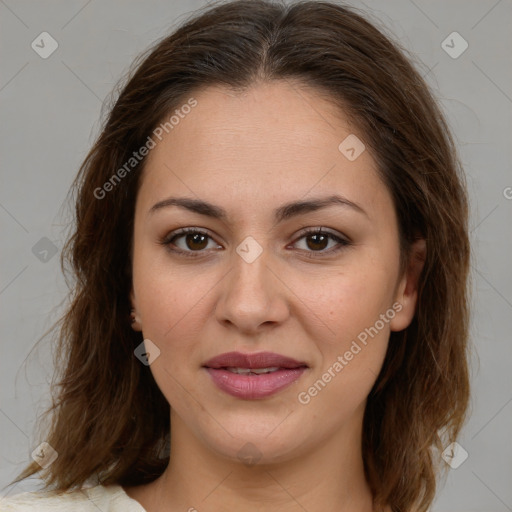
270,303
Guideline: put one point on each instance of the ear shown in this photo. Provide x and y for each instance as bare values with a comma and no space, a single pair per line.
407,289
134,315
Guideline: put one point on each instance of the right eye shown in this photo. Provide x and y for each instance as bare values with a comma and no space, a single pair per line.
195,241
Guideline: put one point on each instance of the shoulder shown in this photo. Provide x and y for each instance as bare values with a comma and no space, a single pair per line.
110,498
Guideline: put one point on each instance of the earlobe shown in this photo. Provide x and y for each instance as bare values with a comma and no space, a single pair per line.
407,291
134,317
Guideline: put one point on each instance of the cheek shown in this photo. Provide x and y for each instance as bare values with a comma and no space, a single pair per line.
348,301
168,296
348,367
171,307
357,308
173,316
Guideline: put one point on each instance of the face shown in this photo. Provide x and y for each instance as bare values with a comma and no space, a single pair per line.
254,280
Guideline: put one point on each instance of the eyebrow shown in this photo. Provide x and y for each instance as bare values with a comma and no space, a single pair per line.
282,213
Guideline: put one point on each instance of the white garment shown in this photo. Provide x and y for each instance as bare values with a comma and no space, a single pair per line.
111,498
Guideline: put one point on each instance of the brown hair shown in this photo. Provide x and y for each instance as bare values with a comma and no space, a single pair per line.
109,418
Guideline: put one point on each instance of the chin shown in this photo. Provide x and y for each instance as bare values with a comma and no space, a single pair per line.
254,440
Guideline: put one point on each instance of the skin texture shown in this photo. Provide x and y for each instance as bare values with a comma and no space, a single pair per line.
249,154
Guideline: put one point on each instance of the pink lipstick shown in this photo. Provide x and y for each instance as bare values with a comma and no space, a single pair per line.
253,376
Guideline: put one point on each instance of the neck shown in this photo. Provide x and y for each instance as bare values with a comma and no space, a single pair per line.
329,477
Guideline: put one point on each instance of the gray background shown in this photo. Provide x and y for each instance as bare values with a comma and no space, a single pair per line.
50,115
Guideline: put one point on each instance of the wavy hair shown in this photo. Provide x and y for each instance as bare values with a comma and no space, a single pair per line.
109,420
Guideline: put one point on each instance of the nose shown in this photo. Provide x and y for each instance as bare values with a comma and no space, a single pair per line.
253,295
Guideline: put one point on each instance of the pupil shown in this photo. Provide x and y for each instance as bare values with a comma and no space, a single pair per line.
316,237
196,238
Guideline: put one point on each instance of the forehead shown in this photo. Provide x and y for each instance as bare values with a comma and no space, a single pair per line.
270,120
274,140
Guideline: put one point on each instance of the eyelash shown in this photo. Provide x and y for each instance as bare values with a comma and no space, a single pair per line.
168,239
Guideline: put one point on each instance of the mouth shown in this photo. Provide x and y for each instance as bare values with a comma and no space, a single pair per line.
253,376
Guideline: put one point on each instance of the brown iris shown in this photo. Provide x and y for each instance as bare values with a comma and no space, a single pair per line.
317,236
196,238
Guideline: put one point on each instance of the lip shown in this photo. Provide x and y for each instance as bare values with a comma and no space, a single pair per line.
252,386
255,360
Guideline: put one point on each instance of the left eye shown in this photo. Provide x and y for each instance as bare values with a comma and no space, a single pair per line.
317,239
196,240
